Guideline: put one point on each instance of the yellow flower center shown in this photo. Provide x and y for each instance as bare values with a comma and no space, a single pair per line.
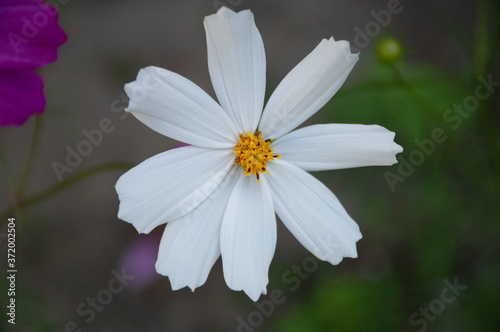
253,153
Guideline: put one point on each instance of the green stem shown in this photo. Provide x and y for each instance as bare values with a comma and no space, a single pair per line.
31,156
413,94
15,208
47,193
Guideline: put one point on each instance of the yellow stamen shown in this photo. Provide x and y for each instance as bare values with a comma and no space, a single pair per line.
253,153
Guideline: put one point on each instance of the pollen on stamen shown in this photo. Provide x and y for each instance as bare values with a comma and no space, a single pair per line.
253,153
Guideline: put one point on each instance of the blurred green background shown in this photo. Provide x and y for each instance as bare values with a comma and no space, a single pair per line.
428,260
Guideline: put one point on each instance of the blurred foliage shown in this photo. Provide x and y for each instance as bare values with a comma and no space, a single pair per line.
347,304
441,223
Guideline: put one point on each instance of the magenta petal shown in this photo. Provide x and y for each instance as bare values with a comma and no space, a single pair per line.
21,94
29,34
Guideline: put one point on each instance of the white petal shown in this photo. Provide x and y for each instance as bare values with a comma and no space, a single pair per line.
248,236
169,185
176,107
308,87
190,245
237,65
312,213
335,146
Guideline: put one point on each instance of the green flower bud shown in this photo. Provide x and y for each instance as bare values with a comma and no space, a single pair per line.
389,50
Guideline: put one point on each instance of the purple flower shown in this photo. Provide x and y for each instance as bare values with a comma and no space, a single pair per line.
139,258
29,37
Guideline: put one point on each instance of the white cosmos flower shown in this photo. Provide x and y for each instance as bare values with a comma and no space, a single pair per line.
202,191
